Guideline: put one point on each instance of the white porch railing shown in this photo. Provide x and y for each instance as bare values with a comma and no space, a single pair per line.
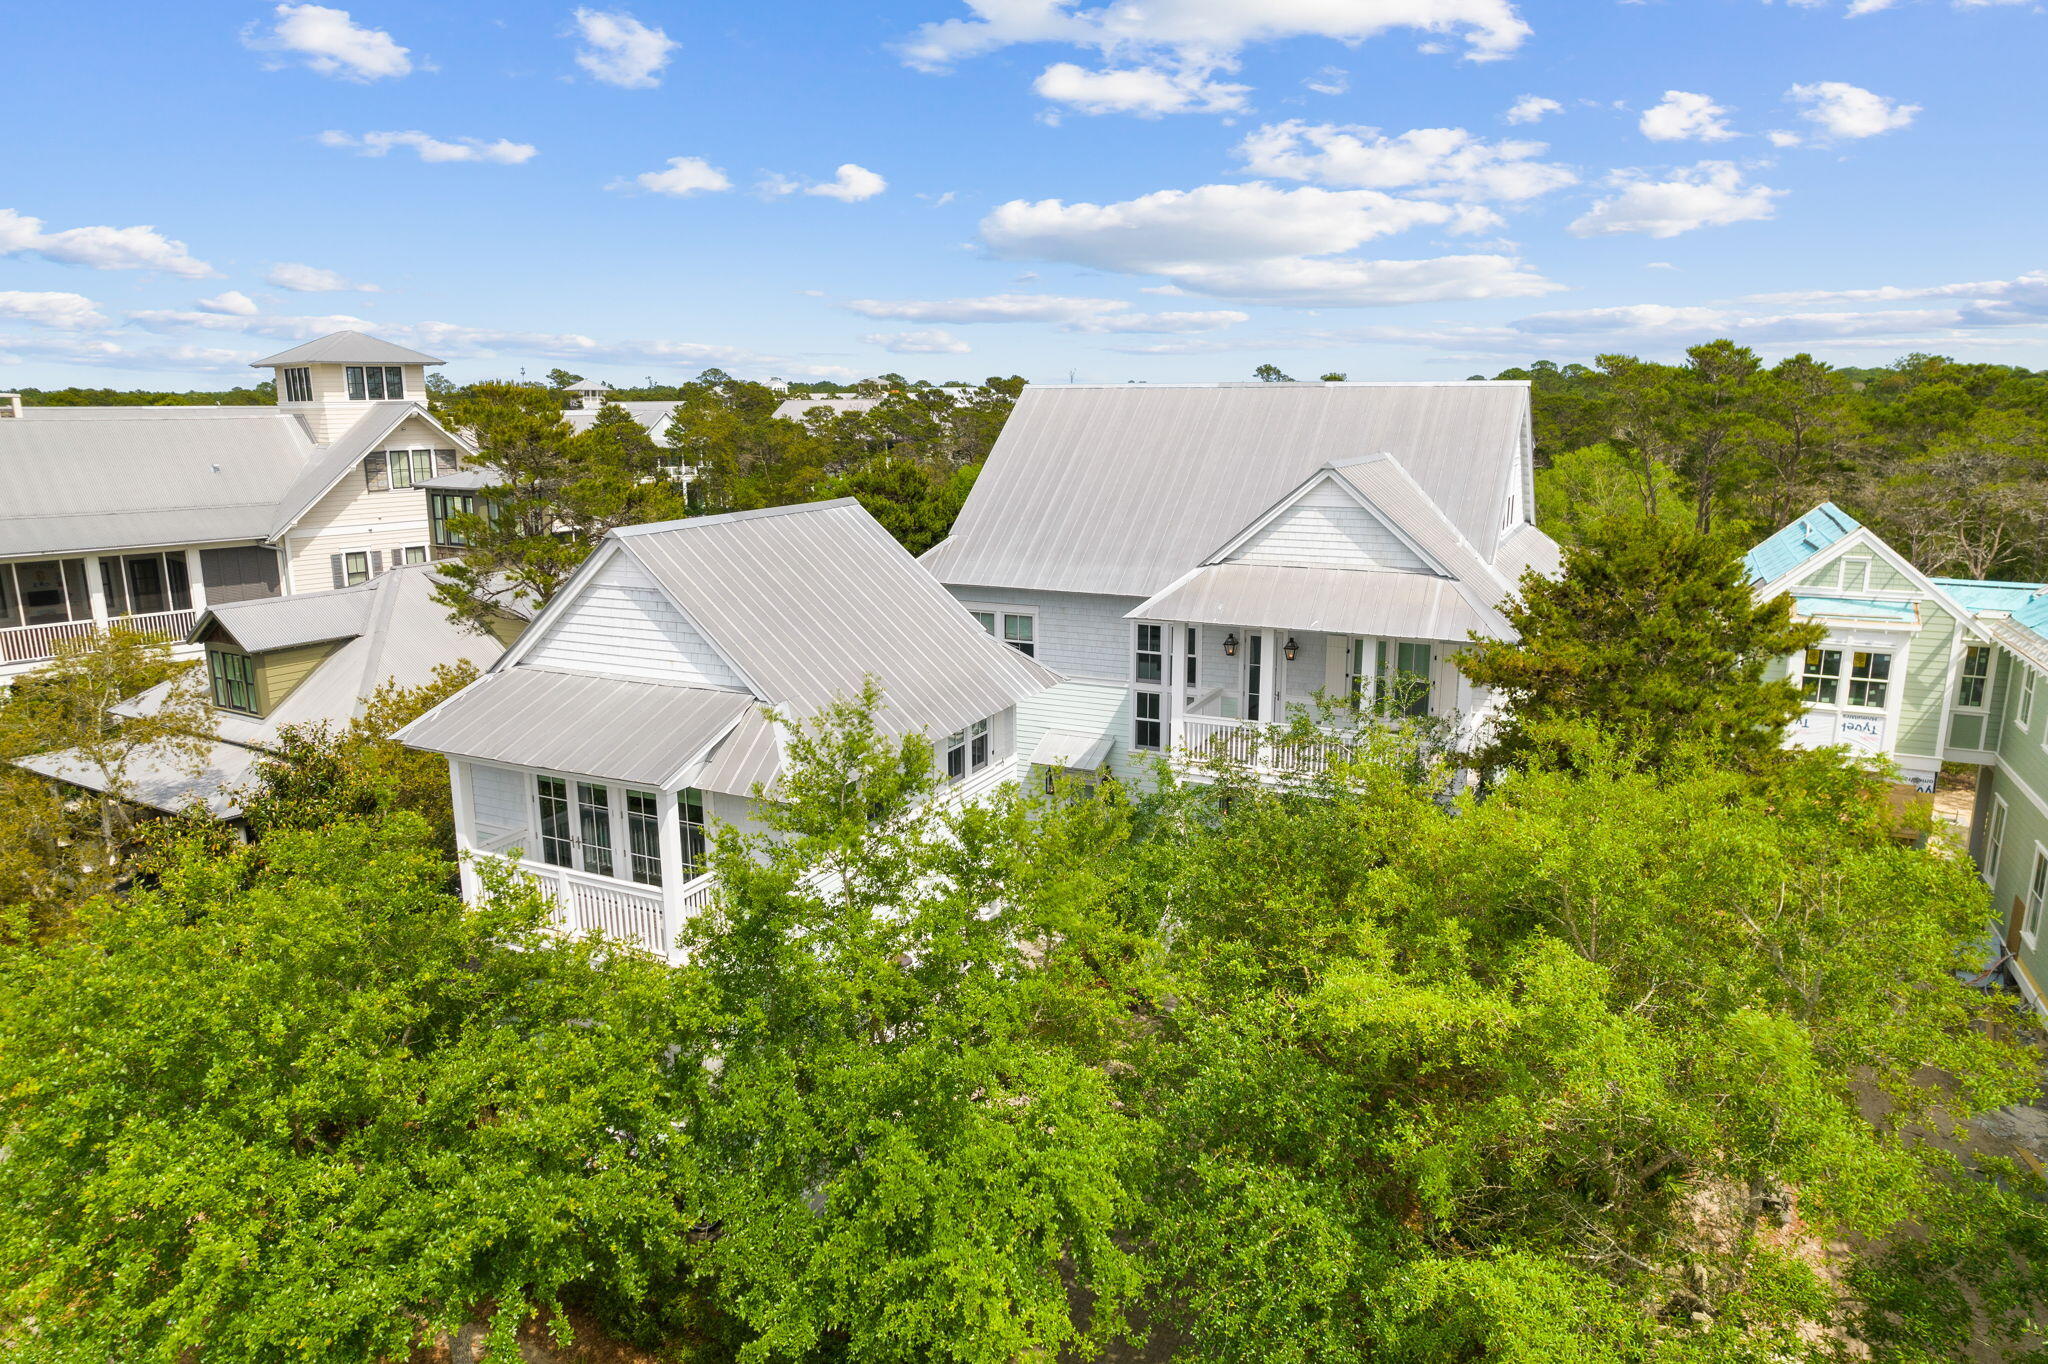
33,643
644,916
1256,744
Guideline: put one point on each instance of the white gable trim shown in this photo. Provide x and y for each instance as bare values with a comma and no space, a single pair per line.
1870,542
285,526
1287,503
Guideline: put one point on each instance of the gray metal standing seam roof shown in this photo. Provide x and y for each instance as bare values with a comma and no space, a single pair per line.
346,348
1120,489
1338,601
809,600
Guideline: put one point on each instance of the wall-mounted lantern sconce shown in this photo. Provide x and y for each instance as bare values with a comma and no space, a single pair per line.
1230,645
1291,648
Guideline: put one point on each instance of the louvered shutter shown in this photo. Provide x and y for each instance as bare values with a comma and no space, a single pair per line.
340,573
376,562
375,474
444,461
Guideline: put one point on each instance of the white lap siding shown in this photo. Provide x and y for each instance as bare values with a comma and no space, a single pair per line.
1328,528
351,517
1078,635
622,625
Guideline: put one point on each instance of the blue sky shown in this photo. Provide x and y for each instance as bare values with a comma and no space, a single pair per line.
1175,189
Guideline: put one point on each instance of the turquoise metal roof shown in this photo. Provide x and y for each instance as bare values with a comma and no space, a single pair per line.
1989,595
1800,541
1856,608
2033,616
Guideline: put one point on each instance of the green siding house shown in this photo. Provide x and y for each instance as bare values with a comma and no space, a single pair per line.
1926,671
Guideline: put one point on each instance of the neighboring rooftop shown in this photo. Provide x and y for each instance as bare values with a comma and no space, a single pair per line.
1120,489
346,348
1990,595
1794,544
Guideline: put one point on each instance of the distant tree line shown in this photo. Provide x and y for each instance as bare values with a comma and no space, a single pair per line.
1948,461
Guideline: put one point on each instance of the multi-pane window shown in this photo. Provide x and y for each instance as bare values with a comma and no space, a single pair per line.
1190,672
1975,678
1150,662
1994,839
594,827
1148,731
1018,629
643,836
415,554
977,745
956,755
1820,680
555,842
1404,677
409,467
442,506
2037,890
375,382
690,812
1869,678
2023,706
234,680
355,567
298,385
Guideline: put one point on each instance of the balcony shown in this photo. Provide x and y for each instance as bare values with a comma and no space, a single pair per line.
35,643
1257,745
647,917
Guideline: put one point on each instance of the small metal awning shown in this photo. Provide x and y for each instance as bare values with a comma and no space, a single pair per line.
1072,750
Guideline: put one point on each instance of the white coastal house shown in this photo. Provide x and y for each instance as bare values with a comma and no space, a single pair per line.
1199,561
632,714
313,658
146,516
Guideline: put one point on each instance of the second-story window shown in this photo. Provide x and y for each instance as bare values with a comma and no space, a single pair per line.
643,836
374,382
234,680
1975,678
553,795
956,755
1821,679
298,385
1150,662
1869,678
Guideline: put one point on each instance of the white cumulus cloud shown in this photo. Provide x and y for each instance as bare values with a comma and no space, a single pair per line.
1849,111
685,175
1711,194
1434,162
932,341
1257,243
850,184
233,303
1147,91
500,152
1684,116
1530,108
311,279
620,50
64,312
99,248
330,42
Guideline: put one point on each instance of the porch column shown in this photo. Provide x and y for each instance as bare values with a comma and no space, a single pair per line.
669,838
95,589
465,827
195,576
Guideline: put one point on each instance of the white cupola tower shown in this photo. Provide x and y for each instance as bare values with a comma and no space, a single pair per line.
331,383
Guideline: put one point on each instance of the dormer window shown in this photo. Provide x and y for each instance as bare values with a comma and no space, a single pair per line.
234,680
298,385
374,383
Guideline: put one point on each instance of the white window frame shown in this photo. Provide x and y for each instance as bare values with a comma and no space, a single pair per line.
1888,681
1994,841
1990,668
995,619
2023,699
1861,582
619,817
2037,891
1190,637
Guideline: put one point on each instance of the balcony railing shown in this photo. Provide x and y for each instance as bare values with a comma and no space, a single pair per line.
1256,744
641,915
33,643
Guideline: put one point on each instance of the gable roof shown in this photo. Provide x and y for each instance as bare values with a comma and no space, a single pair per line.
1982,595
1799,541
808,601
1120,489
351,348
651,415
339,459
127,477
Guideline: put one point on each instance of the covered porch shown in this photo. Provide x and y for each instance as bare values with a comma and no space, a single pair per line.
1226,660
44,603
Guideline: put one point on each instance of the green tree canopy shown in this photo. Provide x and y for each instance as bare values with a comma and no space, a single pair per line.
1651,636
